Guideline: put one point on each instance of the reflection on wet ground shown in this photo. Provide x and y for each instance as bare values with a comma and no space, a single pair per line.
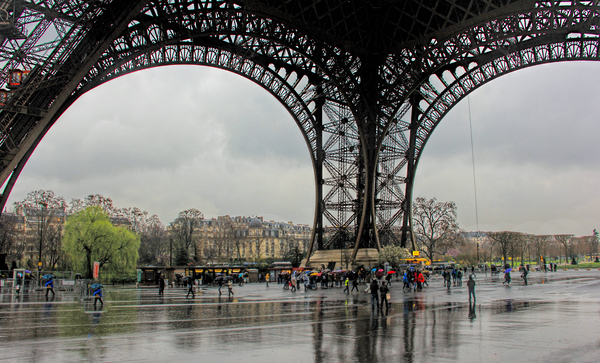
555,318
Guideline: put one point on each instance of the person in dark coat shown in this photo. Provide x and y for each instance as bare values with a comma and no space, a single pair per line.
221,285
190,282
354,285
384,291
471,287
161,286
388,278
374,287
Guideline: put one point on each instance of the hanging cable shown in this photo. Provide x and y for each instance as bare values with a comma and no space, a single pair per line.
473,160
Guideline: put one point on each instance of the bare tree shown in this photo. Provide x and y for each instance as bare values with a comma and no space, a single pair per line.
183,228
101,201
256,248
154,243
540,246
434,225
210,251
507,241
53,244
524,244
591,244
232,237
10,241
139,219
44,214
563,240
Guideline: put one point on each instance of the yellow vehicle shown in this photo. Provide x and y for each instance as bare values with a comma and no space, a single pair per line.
416,261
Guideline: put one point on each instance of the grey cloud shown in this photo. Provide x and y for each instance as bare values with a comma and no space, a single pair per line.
175,138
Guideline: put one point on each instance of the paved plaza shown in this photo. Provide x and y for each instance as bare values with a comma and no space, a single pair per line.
556,318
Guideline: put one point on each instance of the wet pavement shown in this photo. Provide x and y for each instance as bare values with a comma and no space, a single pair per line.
556,318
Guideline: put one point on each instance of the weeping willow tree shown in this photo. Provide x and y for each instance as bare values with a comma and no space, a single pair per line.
90,237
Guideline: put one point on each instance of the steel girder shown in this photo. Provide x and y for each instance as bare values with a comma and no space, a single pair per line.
365,88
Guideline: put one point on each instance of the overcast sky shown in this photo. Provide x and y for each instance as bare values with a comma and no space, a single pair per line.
174,138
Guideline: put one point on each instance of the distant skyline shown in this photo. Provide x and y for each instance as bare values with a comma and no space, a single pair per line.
173,138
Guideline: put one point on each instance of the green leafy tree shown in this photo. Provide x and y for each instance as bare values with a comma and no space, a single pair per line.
89,236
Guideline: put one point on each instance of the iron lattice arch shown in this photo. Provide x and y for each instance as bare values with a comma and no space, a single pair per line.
366,82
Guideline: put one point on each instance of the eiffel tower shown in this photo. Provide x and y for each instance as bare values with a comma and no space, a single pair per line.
367,81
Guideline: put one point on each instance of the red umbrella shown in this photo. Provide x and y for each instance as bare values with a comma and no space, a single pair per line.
379,273
391,272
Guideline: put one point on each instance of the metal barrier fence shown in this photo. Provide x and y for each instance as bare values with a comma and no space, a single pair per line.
82,288
63,280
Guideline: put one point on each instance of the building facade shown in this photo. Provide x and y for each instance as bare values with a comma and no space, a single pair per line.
228,238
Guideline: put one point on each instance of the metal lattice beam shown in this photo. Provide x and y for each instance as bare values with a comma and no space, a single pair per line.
367,82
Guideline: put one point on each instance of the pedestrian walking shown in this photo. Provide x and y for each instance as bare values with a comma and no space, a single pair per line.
346,281
471,287
98,296
420,280
405,281
385,292
507,275
161,286
267,279
447,278
293,284
374,287
230,288
19,283
50,286
190,282
411,280
388,279
524,275
354,285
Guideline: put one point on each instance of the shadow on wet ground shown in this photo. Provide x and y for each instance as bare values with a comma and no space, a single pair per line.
553,319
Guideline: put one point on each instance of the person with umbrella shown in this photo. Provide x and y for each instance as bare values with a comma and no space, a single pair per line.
388,278
507,275
97,293
190,283
49,284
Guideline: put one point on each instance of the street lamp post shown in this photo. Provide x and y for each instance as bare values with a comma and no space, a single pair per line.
41,225
478,253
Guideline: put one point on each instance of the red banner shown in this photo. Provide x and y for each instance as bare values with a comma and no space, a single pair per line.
96,269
